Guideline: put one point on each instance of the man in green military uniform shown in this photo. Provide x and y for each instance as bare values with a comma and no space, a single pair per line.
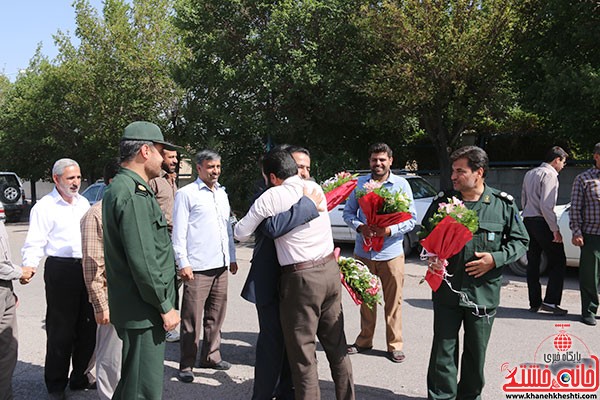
139,263
476,271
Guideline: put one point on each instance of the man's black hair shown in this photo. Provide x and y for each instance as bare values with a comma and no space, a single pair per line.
476,158
110,170
280,163
554,152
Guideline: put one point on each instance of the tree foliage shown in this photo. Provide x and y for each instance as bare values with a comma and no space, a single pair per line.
440,61
557,67
265,72
78,105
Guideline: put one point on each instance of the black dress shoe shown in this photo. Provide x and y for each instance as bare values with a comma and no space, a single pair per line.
220,366
534,309
86,386
554,309
56,395
589,320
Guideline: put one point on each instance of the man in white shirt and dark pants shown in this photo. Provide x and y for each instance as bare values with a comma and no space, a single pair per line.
204,249
310,289
70,324
538,197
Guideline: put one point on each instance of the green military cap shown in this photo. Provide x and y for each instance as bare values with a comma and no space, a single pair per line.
147,131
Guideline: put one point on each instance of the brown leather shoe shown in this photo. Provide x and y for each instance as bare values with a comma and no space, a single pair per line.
397,356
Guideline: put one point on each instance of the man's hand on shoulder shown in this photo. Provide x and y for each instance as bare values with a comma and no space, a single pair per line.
186,274
233,268
316,196
170,320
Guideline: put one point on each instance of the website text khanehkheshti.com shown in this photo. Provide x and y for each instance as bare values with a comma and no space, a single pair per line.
551,395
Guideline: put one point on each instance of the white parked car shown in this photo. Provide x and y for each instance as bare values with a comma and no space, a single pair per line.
572,252
423,193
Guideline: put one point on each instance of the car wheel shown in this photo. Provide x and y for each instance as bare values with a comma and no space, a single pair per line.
407,245
519,267
10,194
13,217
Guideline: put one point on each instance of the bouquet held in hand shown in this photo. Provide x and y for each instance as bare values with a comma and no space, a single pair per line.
362,285
338,188
382,208
453,227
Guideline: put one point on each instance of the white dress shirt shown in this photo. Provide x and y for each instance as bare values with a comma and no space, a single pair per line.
54,228
202,234
307,242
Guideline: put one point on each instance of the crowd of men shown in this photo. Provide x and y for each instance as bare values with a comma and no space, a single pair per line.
112,271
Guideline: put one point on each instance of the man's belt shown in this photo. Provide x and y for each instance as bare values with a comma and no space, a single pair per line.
71,260
6,283
306,264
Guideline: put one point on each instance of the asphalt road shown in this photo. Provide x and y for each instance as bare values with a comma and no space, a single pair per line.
516,337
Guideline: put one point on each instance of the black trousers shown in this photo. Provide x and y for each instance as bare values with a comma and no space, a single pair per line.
541,241
70,325
272,374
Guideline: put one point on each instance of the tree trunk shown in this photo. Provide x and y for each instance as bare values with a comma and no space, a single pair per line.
33,192
438,133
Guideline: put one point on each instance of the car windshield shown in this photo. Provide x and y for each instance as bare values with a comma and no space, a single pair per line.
9,180
93,192
421,188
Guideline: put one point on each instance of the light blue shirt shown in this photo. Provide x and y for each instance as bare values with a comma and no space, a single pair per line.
202,234
354,217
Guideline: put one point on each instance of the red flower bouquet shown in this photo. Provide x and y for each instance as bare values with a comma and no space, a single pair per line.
338,188
382,208
454,225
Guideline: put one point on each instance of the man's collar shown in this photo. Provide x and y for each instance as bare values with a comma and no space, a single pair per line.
292,179
202,185
390,178
58,197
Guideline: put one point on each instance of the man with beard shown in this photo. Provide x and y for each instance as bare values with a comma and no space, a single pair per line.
204,247
388,263
70,323
140,268
164,187
476,272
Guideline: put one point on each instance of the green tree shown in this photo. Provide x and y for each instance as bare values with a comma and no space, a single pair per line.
557,68
265,72
78,105
442,62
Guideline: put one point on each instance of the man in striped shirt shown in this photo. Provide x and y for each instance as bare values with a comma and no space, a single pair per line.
585,225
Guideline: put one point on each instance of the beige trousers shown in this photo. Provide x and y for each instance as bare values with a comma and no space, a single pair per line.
391,273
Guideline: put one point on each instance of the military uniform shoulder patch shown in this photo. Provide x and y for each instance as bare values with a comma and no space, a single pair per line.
506,197
141,190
